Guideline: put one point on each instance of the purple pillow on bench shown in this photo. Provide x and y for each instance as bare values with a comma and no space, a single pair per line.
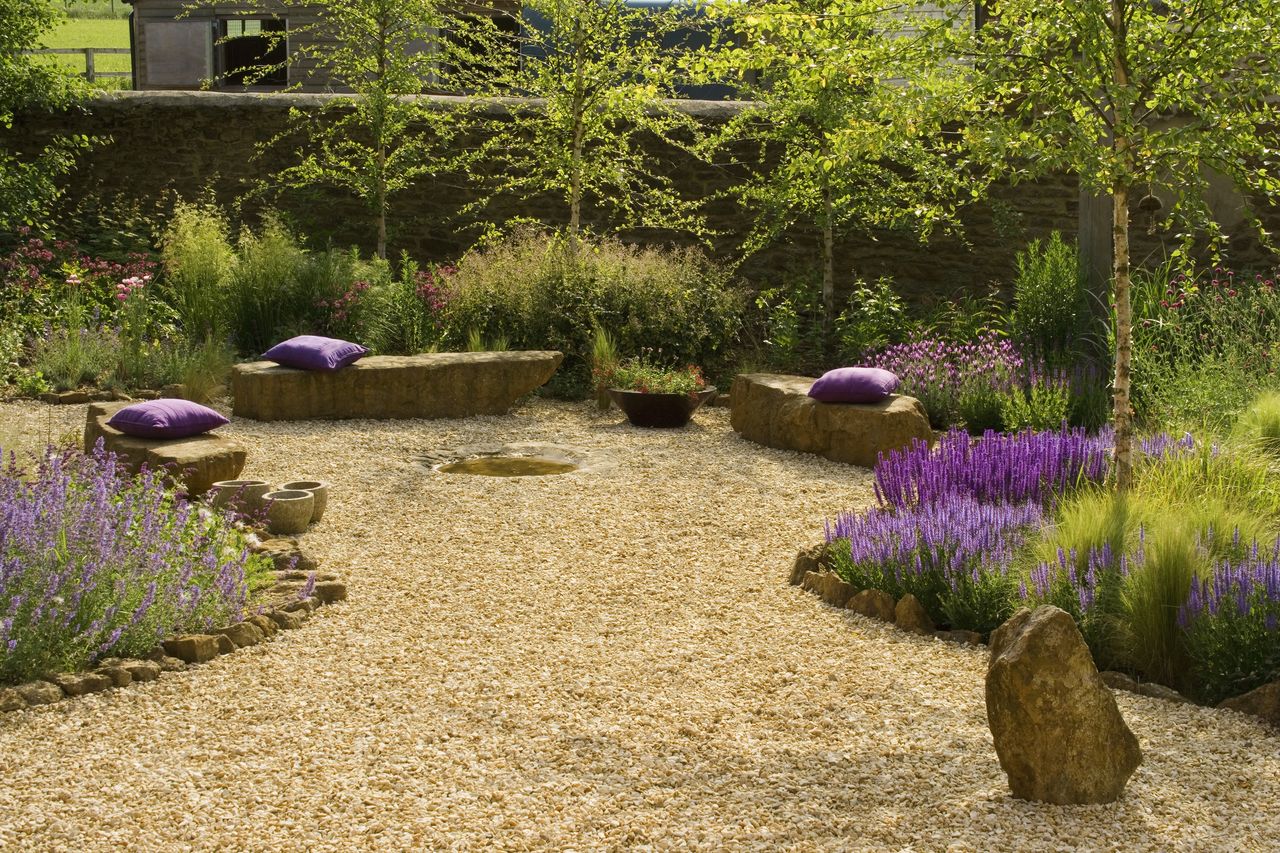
166,418
312,352
854,385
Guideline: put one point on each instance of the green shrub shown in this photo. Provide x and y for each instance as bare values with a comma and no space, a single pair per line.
1050,307
278,289
402,313
535,293
198,263
875,317
1259,426
71,355
205,369
1045,403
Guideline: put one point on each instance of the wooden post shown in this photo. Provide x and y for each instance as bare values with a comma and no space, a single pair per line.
88,64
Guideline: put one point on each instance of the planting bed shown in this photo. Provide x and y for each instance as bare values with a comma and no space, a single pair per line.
606,661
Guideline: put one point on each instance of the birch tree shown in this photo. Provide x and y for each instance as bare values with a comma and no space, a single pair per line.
1133,97
847,112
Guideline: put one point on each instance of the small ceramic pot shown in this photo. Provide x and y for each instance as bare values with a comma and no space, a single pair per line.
244,495
316,487
289,511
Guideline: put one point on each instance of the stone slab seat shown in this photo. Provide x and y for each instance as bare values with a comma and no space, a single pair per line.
775,410
197,462
433,385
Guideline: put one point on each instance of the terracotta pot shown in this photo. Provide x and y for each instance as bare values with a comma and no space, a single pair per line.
244,495
319,488
289,511
660,410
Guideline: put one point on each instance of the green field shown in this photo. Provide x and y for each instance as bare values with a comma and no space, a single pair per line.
94,32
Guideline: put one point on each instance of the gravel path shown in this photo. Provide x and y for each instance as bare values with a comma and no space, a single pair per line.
593,661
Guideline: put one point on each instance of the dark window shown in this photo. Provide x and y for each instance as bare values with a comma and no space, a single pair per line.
252,52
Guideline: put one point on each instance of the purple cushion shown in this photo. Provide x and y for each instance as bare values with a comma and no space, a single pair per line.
312,352
854,385
166,418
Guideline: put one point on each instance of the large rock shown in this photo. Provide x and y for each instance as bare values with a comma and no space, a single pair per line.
196,462
1262,702
1057,730
910,615
829,587
776,411
434,385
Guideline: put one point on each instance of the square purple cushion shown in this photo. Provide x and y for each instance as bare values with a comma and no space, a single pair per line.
854,385
166,418
312,352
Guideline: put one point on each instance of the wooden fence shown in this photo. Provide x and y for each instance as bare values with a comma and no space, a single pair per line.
90,72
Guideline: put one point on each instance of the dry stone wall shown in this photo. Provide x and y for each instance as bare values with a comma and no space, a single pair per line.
190,142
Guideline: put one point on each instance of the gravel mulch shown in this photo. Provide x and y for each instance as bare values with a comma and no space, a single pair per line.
603,660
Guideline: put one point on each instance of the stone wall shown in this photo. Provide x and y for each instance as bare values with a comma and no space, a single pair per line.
187,142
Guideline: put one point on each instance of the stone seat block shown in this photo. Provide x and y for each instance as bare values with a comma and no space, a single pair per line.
432,385
775,410
196,462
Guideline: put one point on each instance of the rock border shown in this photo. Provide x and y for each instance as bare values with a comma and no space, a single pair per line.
812,571
286,609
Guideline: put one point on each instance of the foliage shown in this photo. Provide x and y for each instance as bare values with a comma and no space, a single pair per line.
198,261
603,72
1036,467
277,288
604,360
939,373
403,313
1259,426
874,318
952,554
28,180
1043,403
93,562
642,373
1050,304
378,142
1088,88
1232,623
839,119
535,292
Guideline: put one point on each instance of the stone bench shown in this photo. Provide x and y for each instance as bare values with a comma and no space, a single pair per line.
433,385
776,411
196,462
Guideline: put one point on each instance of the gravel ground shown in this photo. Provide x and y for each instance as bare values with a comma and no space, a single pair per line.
592,661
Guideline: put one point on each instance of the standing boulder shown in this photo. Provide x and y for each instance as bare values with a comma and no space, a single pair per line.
1057,729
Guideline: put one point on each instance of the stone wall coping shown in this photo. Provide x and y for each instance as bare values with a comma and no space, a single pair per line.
138,100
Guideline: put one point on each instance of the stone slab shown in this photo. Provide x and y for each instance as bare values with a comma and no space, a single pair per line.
196,462
432,385
775,410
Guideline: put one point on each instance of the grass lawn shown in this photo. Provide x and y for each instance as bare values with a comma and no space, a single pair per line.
94,32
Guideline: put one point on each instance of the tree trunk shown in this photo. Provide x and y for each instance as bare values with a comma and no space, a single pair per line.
382,203
1124,338
828,267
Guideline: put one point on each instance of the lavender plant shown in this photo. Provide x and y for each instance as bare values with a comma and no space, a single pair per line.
953,555
1036,467
95,562
1232,624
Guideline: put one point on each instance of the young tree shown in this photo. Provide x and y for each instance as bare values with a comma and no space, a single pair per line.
847,140
1130,95
29,181
601,81
380,138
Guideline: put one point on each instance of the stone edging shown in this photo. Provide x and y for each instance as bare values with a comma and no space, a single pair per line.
812,571
286,609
